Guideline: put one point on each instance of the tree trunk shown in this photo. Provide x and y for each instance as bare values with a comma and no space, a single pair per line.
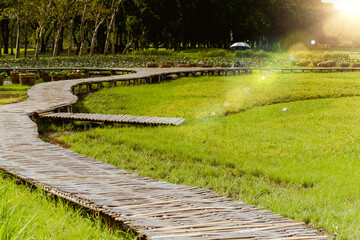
26,39
38,42
6,35
17,51
12,39
54,29
127,47
92,47
70,32
93,39
57,41
108,31
1,40
113,51
82,34
133,44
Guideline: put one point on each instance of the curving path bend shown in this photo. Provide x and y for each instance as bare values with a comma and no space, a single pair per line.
154,209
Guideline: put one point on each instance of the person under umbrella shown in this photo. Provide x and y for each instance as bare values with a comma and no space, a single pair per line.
238,64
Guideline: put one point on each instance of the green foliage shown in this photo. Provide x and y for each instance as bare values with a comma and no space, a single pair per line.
154,52
214,53
250,53
322,56
290,156
64,72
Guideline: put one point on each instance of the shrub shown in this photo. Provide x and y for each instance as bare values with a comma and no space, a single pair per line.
154,52
344,64
251,53
214,53
152,65
327,64
303,63
355,65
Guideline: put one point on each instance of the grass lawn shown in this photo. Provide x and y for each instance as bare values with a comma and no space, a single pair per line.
251,137
12,93
26,215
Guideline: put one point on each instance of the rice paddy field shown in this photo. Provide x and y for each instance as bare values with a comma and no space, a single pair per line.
287,142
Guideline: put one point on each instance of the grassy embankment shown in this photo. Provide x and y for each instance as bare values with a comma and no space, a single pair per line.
297,158
29,215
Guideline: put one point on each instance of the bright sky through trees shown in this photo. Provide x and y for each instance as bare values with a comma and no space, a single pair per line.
346,6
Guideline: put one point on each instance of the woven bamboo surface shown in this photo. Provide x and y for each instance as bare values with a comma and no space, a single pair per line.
155,209
107,118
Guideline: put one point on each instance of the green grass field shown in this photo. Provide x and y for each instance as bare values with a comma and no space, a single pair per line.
287,142
29,215
12,93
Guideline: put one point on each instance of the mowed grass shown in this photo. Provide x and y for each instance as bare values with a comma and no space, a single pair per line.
248,137
29,215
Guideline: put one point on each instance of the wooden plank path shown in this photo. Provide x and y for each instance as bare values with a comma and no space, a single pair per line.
107,118
154,209
307,69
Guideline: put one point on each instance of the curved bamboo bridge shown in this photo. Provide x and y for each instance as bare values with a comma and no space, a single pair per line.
154,209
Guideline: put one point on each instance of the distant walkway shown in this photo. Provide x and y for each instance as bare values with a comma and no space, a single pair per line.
154,209
309,70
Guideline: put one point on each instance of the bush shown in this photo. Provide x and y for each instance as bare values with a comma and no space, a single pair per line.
344,64
327,64
355,65
214,53
303,63
321,56
251,53
153,52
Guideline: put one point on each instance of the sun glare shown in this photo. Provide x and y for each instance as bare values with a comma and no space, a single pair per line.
349,6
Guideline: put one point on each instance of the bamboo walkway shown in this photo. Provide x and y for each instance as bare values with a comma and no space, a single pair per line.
154,209
311,69
107,118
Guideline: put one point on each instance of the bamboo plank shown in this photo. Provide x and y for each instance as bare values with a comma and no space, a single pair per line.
201,225
300,238
182,210
231,228
162,203
88,176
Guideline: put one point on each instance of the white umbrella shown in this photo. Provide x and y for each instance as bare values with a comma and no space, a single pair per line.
240,46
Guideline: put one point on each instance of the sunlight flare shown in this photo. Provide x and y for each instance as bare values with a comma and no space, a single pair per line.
348,6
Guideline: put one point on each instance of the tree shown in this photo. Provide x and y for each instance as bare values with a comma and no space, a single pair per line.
115,4
61,16
82,25
42,9
98,14
4,4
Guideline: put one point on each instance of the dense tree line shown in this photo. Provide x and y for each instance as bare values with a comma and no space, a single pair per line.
118,26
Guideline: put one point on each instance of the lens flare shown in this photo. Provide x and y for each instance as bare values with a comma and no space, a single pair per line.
347,6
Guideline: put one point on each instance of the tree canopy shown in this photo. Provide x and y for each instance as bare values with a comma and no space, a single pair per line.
115,26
